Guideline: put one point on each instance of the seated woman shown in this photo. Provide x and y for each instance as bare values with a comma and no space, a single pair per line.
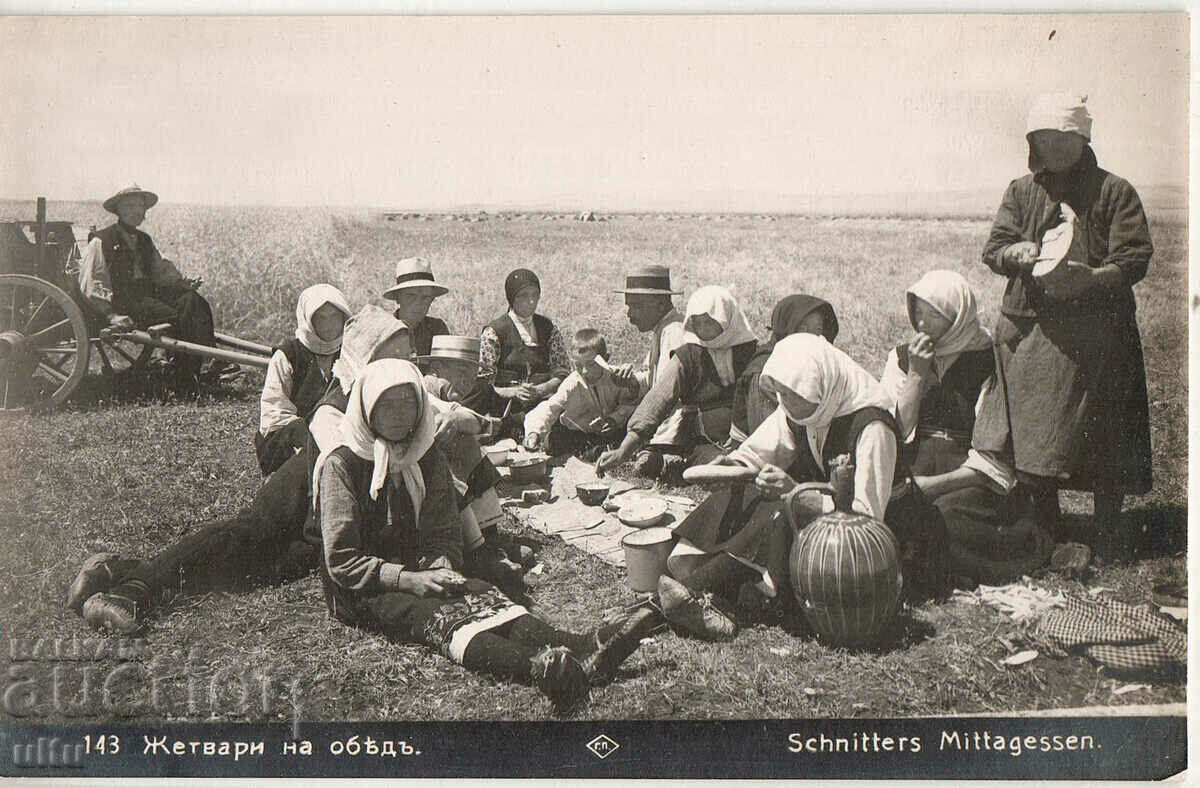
392,539
522,356
937,381
795,314
264,540
700,377
298,375
475,476
828,406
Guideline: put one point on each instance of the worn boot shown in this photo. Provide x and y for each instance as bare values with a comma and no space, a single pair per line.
99,573
694,612
560,677
601,665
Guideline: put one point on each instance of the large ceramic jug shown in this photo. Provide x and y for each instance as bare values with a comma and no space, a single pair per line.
844,566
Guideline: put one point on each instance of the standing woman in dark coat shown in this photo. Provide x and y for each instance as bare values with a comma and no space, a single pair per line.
1070,404
795,314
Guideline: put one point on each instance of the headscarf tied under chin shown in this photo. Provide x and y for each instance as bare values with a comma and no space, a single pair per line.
719,304
949,293
517,281
809,366
363,335
397,460
311,299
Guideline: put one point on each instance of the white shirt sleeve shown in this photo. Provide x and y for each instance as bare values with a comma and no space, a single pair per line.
276,408
874,468
326,427
771,444
904,389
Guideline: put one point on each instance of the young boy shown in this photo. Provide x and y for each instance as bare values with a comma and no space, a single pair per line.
589,409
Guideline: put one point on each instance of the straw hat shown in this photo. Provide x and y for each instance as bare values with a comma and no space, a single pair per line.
649,280
449,347
150,198
414,272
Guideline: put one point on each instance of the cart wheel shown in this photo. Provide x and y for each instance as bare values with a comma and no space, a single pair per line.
43,343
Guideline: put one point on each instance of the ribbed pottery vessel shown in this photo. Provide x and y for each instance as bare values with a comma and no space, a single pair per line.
845,571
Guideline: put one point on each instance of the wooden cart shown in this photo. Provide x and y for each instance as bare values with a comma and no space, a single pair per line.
48,333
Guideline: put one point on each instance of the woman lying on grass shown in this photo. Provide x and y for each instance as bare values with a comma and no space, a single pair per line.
298,375
263,541
700,377
827,406
937,380
392,539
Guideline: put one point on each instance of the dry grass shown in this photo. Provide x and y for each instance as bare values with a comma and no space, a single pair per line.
131,475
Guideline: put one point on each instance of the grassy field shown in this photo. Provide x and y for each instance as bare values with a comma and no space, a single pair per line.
132,474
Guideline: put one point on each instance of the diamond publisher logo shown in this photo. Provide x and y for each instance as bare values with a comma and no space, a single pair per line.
602,746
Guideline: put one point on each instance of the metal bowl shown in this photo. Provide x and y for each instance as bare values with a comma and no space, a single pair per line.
592,493
642,512
527,470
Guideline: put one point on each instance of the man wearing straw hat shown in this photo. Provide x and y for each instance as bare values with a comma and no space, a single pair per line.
414,292
454,368
127,282
649,308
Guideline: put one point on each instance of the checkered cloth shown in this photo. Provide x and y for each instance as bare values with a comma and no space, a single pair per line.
1118,636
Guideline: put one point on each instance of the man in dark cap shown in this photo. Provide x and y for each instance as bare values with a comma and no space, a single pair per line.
128,283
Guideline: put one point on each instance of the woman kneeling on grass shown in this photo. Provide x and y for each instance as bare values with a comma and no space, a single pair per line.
700,377
937,381
392,539
828,406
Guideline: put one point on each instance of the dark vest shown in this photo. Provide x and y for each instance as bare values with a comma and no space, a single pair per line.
701,387
949,405
308,382
842,439
334,396
422,335
518,361
128,266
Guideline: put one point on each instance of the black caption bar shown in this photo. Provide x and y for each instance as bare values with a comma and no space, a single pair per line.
1074,748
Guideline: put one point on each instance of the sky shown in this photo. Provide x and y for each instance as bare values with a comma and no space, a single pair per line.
611,111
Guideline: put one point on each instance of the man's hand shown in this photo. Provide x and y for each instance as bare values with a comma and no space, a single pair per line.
527,392
610,459
1020,255
920,355
625,376
773,482
533,441
123,322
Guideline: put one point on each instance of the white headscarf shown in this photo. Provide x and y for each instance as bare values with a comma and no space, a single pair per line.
1060,112
393,459
949,293
719,304
809,366
311,299
364,333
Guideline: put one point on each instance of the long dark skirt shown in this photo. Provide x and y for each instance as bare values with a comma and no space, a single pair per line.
1070,404
993,538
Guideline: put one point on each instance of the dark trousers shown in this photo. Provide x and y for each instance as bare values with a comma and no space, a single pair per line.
223,553
564,440
183,308
280,445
